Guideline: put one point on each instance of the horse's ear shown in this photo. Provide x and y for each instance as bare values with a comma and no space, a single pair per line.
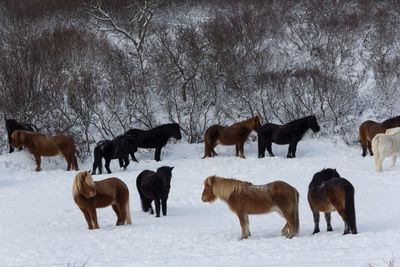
171,168
211,180
89,171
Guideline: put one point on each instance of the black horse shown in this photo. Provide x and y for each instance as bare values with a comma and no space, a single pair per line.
155,138
119,148
289,133
154,186
12,125
328,192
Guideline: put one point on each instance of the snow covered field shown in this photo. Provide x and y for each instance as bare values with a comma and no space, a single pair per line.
40,225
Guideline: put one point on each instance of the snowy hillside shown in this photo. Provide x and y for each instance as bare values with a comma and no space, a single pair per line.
40,224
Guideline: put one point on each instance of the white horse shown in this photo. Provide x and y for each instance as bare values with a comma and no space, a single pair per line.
392,130
384,145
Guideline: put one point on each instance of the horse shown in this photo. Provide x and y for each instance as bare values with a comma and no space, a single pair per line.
40,145
368,129
289,133
89,195
385,145
154,186
12,125
236,134
155,138
244,198
118,148
328,192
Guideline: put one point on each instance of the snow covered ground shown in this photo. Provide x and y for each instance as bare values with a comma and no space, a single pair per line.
40,225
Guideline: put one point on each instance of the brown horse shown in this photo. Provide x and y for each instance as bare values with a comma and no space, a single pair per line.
368,129
40,145
244,198
328,192
236,134
89,195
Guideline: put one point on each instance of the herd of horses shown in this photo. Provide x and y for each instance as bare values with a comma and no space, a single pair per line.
327,191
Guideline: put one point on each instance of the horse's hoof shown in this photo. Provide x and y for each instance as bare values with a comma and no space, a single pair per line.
329,229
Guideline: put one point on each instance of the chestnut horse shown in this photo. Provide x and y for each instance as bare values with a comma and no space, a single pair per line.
328,192
40,145
89,195
236,134
368,129
244,198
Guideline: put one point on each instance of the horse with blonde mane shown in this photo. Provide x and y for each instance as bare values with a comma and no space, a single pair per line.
244,198
368,129
89,195
40,145
385,145
236,134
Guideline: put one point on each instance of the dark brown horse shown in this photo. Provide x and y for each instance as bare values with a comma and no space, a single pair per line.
236,134
89,195
328,192
368,129
244,198
40,145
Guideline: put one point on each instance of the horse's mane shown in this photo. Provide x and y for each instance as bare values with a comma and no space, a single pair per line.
323,175
242,123
224,187
77,185
388,122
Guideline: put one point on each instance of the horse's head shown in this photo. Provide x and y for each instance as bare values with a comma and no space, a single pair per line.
11,124
256,123
312,123
165,172
84,185
177,131
208,192
17,138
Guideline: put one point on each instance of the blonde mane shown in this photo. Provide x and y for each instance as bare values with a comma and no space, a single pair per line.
77,185
224,187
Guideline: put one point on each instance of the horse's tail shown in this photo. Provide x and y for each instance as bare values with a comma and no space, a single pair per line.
296,212
349,206
97,159
375,150
207,150
128,219
142,200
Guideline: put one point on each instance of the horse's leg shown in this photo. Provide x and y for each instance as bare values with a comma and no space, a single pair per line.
157,154
126,159
342,214
363,145
115,208
93,216
87,218
328,221
237,150
243,224
11,149
294,148
213,153
316,221
285,230
67,158
269,148
38,161
379,162
369,148
164,206
157,204
394,158
122,213
248,225
133,157
241,150
107,165
121,162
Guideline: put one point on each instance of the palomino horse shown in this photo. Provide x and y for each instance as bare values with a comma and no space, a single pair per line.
368,129
385,145
328,192
244,198
40,145
89,195
236,134
289,133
